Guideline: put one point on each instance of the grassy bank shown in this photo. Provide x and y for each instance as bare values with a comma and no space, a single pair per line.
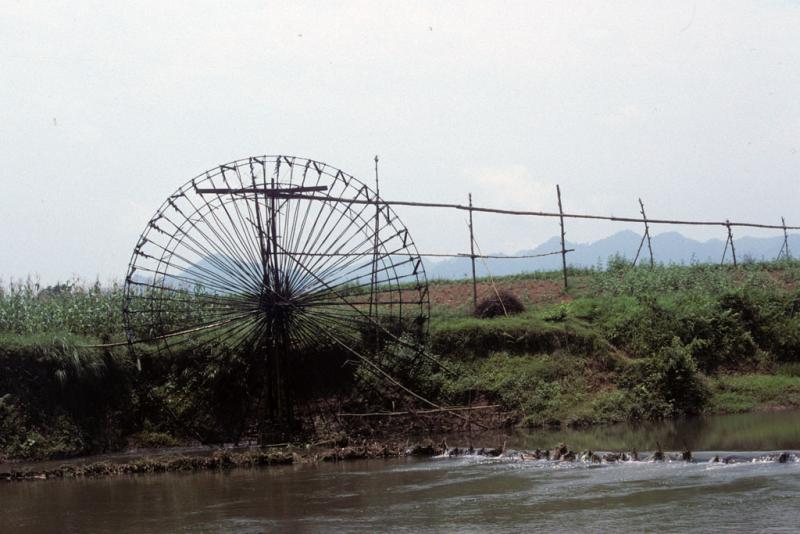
635,343
623,344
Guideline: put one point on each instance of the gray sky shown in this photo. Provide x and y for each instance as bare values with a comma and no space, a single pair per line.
106,108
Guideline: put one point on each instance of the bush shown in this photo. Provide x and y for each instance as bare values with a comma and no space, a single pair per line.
501,303
666,385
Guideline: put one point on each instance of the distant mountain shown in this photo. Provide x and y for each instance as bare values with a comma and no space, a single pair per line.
669,247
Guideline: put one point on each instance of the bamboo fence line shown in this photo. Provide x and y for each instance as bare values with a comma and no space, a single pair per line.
541,213
562,216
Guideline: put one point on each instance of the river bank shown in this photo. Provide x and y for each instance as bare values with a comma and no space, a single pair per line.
624,344
722,439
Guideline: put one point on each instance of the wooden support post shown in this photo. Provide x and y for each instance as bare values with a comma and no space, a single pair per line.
647,233
639,250
730,238
373,297
724,252
563,244
785,247
472,258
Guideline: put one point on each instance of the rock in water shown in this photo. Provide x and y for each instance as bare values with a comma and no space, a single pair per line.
559,452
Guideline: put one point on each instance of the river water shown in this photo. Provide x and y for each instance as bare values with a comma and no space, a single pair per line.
464,494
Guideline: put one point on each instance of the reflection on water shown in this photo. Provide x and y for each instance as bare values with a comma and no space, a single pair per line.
467,494
736,432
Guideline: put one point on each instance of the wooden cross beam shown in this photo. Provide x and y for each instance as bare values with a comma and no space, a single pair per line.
272,192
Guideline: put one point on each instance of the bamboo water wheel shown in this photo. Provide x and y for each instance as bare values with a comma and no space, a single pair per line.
272,256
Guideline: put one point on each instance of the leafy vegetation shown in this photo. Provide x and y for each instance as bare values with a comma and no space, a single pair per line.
27,308
642,344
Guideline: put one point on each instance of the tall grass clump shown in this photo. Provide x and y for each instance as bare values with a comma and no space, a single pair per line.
60,398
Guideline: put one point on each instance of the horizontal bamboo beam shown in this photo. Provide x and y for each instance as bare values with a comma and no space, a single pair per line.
498,257
268,191
541,213
438,410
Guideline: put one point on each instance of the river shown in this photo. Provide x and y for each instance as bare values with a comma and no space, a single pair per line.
463,494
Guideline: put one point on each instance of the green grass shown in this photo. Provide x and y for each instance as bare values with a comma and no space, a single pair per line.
542,388
523,333
740,393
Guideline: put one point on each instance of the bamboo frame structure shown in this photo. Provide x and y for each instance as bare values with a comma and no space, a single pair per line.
286,249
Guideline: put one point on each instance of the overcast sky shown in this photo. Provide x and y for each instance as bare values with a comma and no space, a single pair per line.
105,109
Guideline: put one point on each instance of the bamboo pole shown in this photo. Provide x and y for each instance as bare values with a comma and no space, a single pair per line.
724,251
373,291
639,250
479,256
786,238
431,255
472,258
730,238
376,242
647,233
785,247
538,213
563,244
418,412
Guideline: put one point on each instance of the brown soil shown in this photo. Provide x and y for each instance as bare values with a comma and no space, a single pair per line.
458,295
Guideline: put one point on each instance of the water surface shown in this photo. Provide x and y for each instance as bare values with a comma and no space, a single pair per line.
466,494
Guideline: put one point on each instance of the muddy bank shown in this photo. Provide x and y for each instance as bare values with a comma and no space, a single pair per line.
219,459
226,459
